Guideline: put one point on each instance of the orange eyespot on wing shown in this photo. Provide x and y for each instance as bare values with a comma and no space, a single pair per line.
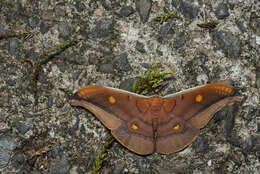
111,99
199,98
176,127
134,127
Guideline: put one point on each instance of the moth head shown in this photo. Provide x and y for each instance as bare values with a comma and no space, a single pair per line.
75,99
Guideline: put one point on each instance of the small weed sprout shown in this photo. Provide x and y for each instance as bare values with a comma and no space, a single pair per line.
101,156
152,81
164,17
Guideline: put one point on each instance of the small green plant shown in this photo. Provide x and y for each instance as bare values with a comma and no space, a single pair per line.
164,17
44,58
101,156
152,81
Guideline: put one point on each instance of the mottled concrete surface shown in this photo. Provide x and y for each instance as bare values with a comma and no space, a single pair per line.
119,40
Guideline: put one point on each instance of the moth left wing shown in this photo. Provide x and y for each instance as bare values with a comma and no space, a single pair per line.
186,112
117,110
199,104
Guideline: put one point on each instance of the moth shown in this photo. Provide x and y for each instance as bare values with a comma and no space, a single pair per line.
145,124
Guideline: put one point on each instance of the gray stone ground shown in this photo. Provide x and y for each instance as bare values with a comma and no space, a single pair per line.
120,40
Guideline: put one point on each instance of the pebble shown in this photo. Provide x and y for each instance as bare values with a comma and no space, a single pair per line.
44,28
47,44
10,82
19,159
235,141
171,91
1,69
200,145
33,22
159,52
120,63
80,6
4,99
143,165
106,68
165,30
7,145
13,45
22,171
128,84
3,126
23,127
75,127
179,40
126,11
230,119
50,102
118,169
59,102
61,166
104,28
60,11
2,29
228,42
64,29
221,115
32,55
257,40
12,70
28,115
254,23
92,60
250,113
143,8
55,151
25,102
188,10
140,47
42,78
247,145
241,25
82,132
62,67
221,11
2,60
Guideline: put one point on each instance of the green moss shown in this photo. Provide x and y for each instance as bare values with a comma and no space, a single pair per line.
152,81
164,17
101,156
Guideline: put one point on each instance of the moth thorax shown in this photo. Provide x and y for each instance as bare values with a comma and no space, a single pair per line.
156,105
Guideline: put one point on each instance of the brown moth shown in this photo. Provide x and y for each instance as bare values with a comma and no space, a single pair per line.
155,124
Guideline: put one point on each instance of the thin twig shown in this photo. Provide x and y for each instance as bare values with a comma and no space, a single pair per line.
44,58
